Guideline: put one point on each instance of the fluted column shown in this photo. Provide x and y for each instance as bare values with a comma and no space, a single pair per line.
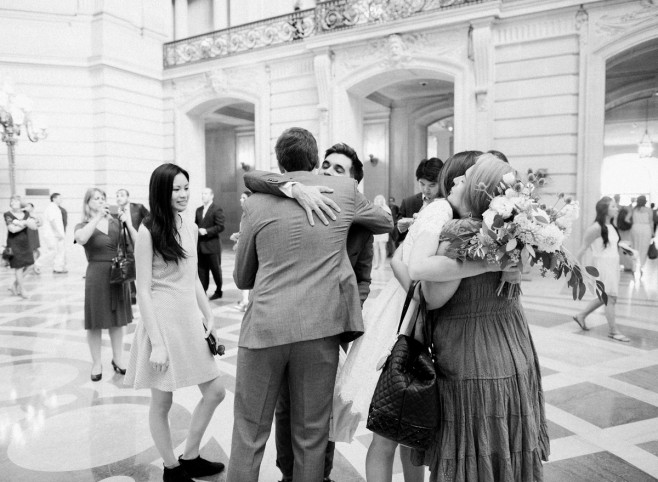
180,19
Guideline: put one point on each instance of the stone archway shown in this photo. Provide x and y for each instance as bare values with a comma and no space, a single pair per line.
617,32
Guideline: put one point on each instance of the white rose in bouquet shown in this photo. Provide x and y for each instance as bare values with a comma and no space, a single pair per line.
502,206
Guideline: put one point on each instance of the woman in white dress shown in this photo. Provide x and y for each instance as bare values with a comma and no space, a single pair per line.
602,239
357,378
642,228
169,350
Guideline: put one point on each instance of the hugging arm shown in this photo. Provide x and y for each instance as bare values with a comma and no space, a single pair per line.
310,198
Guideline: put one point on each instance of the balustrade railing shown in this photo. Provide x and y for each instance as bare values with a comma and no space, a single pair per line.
326,17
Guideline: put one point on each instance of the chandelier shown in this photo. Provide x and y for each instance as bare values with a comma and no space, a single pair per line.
645,146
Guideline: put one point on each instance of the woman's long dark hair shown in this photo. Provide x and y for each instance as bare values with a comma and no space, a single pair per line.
602,216
162,220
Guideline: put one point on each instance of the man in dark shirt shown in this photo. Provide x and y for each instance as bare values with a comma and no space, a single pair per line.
427,175
137,211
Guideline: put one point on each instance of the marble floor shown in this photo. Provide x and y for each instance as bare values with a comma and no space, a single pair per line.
56,425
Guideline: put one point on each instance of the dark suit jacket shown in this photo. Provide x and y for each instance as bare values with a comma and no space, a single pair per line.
65,216
303,285
213,222
137,214
410,206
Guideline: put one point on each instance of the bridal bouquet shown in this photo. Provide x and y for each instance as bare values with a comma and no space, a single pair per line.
519,229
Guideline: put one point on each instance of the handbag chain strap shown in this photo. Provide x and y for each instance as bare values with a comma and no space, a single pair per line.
422,309
123,250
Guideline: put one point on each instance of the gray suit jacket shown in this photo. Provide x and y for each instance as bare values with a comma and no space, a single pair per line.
303,284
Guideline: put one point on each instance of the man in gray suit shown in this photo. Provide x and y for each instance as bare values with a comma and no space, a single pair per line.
304,302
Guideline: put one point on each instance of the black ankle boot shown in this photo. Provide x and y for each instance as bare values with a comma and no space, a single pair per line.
176,474
200,467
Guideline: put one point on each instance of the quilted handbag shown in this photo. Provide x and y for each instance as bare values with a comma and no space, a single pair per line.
123,266
404,407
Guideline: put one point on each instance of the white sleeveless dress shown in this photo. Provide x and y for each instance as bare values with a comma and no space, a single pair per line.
173,291
357,377
606,260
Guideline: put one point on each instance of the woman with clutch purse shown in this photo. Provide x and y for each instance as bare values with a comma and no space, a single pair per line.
169,350
492,425
107,306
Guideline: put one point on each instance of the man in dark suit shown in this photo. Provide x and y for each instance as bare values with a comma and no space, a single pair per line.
137,214
427,175
210,219
304,301
137,211
339,160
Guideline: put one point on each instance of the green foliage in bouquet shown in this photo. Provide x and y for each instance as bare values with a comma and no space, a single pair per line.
518,229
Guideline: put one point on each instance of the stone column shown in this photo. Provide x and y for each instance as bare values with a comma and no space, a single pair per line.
180,19
322,70
220,13
483,65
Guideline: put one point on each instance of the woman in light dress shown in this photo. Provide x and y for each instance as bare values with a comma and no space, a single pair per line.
169,350
492,425
601,238
641,230
357,379
380,240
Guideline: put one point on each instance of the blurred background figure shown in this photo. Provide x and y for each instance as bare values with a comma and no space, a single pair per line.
210,219
601,239
380,240
54,235
18,225
107,306
641,219
33,235
393,237
136,214
235,237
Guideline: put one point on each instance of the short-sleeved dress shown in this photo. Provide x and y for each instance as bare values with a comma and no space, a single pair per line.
106,305
357,377
19,243
606,260
491,404
173,294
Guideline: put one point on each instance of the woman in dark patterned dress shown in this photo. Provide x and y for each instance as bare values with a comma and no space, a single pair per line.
491,408
18,224
106,306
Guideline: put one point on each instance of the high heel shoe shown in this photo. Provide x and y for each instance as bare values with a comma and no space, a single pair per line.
120,371
97,378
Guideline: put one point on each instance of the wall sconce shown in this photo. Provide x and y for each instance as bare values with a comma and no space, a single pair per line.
245,167
373,160
645,146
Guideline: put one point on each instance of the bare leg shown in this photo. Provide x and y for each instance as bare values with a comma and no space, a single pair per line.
379,460
610,315
382,254
116,338
375,257
20,289
411,472
159,425
94,342
212,395
593,305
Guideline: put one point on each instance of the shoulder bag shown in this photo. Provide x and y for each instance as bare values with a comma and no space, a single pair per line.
123,266
405,404
653,252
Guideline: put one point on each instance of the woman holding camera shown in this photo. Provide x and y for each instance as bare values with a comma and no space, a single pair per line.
107,306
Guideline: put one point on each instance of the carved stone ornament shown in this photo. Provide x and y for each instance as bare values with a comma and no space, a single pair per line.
612,25
218,81
582,17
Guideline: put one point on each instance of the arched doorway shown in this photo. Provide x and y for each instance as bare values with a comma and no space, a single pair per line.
387,115
631,101
230,151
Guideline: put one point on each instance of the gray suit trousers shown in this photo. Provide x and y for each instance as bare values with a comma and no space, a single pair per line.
311,369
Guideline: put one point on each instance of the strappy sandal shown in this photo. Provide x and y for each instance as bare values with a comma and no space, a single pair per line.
619,337
582,325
